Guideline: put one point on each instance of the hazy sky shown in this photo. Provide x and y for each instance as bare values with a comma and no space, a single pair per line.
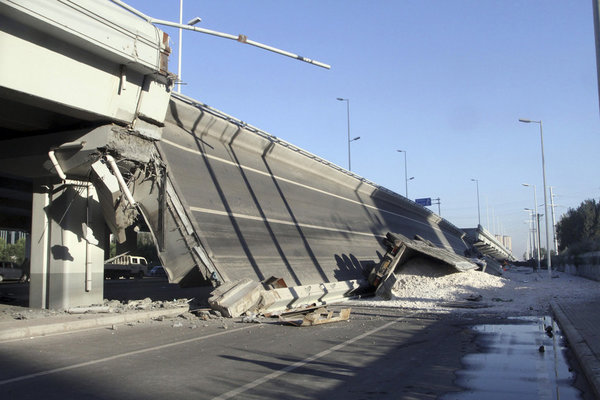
446,81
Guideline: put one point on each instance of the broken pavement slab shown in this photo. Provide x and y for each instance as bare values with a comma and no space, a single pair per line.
443,255
314,316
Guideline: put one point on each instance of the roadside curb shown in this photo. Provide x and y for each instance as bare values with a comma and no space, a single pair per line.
71,323
586,358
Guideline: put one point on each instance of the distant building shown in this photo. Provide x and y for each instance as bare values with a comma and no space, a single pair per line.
507,243
11,237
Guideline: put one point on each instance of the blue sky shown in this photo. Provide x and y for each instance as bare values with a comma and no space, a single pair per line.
446,81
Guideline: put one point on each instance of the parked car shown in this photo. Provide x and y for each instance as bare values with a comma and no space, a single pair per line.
10,271
158,271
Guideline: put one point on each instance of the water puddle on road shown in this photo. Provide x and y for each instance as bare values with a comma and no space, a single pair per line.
520,360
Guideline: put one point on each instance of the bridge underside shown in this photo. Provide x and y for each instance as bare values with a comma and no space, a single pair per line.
487,244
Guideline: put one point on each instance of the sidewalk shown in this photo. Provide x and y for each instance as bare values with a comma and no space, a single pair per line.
11,329
580,323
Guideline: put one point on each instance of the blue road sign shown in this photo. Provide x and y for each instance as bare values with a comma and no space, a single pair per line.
424,202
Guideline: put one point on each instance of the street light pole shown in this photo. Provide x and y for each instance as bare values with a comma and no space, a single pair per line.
530,240
180,46
349,140
478,208
405,173
548,252
536,224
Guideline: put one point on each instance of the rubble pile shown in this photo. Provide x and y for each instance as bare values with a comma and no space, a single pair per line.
424,286
144,304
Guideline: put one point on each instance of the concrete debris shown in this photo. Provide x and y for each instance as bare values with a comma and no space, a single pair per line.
498,299
465,304
89,310
278,300
115,306
491,266
251,318
234,298
400,251
274,283
314,316
205,315
474,297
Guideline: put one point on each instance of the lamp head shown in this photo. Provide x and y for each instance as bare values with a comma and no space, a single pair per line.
194,21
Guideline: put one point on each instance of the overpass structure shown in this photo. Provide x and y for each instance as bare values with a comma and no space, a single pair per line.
487,244
94,141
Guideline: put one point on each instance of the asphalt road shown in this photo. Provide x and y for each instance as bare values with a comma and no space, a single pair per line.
382,354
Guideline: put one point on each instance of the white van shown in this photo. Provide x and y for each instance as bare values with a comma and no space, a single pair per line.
125,266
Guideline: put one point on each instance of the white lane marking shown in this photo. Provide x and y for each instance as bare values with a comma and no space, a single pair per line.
281,179
302,363
115,357
280,221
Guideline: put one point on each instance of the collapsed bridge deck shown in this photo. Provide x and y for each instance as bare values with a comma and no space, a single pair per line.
261,207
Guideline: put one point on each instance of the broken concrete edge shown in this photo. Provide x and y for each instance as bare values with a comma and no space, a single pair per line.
43,327
400,250
278,300
585,356
235,298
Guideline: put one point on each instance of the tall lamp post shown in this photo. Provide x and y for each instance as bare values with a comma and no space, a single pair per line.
535,223
180,45
406,178
478,208
349,140
548,252
191,22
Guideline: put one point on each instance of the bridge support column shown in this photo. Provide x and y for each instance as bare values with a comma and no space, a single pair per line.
67,241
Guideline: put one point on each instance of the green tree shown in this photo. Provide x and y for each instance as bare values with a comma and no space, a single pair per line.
13,252
578,231
146,248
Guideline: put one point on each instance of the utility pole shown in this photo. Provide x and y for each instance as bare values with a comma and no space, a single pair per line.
539,240
553,221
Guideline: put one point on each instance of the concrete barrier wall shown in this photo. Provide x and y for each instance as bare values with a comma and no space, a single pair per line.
585,265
